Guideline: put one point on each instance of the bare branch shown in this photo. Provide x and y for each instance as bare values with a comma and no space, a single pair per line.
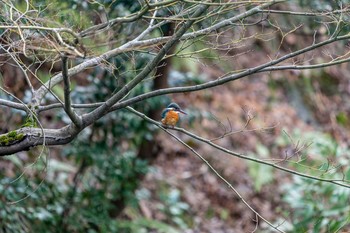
41,28
306,13
35,137
67,100
14,105
20,66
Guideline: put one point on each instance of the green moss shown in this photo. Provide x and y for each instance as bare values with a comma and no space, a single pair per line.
12,134
19,136
27,124
30,122
10,137
4,140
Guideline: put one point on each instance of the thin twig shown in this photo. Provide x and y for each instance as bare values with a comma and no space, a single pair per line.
20,66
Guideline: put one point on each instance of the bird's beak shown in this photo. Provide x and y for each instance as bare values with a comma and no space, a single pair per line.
180,110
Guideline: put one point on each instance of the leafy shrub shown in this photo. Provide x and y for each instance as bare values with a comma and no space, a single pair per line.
316,205
320,206
58,203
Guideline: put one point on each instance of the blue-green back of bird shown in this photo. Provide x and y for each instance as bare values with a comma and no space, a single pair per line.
164,113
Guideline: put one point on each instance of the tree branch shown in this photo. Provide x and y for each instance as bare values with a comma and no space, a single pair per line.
32,137
67,100
11,104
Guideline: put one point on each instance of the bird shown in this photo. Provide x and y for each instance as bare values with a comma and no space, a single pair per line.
170,115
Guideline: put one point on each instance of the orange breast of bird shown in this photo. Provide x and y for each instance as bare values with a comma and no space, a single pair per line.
170,118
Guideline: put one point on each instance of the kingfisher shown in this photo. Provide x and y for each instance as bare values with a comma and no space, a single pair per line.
170,115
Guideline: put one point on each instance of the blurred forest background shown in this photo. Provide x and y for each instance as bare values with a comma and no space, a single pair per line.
122,174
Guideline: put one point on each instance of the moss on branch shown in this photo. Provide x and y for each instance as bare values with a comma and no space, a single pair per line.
11,138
